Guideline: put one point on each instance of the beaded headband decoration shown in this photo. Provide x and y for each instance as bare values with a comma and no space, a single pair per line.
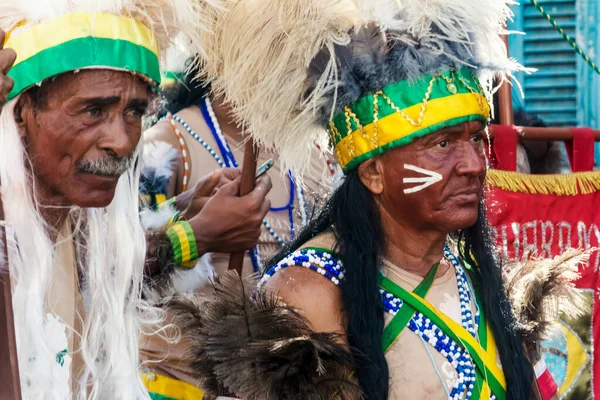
51,37
362,75
404,111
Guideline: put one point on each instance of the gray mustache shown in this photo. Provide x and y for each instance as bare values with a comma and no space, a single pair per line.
109,166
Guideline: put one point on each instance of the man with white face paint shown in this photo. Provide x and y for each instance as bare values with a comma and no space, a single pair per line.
69,142
399,263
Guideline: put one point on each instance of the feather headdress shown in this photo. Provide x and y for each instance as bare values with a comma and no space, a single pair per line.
291,70
132,35
176,63
539,291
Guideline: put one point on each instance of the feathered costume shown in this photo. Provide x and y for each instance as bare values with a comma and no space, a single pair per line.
365,76
77,299
250,344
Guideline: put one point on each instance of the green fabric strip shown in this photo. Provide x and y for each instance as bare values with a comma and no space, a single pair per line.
401,319
156,396
410,138
405,94
482,333
478,386
175,245
412,301
84,53
173,75
482,320
191,239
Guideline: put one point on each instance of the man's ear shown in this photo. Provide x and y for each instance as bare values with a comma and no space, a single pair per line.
370,173
24,113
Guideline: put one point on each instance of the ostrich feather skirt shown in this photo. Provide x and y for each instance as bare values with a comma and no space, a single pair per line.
82,40
404,111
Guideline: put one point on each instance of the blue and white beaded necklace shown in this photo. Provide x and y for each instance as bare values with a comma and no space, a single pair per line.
324,263
227,160
455,354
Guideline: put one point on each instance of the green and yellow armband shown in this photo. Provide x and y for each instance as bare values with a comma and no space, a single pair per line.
183,241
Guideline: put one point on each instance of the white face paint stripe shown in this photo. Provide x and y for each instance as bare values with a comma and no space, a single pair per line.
429,179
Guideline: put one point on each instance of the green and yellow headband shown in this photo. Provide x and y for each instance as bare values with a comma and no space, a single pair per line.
82,40
404,111
170,78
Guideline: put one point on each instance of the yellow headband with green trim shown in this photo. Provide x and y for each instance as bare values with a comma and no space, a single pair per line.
404,111
82,40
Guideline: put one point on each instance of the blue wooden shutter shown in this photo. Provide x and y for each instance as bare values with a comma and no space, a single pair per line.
565,90
551,92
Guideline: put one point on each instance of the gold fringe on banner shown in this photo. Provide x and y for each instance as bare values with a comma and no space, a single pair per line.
559,184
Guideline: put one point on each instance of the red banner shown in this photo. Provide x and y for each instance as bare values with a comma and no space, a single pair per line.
543,215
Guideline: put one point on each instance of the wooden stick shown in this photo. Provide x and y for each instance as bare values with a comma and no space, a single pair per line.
505,97
536,133
10,387
236,260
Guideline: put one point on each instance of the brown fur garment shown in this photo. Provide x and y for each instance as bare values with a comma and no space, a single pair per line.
253,346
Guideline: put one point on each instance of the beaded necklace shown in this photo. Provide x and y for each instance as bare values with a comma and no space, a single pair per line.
458,357
227,159
213,123
184,152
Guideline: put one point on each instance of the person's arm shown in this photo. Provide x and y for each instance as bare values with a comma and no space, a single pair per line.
225,224
7,59
156,220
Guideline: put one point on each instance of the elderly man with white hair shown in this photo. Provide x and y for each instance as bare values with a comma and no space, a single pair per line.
82,78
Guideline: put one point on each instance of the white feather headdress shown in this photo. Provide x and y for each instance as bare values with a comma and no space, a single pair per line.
288,67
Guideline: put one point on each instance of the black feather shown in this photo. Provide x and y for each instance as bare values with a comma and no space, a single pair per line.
252,345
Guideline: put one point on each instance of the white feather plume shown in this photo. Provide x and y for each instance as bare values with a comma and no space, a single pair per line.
258,58
260,55
168,19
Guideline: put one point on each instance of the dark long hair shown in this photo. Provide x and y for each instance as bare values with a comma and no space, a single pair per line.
487,279
352,214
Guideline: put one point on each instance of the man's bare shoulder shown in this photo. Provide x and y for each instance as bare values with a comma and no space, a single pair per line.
162,132
312,294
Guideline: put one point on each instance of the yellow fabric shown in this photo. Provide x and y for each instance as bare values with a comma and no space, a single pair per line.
160,198
395,126
486,392
562,185
577,358
29,42
170,387
183,240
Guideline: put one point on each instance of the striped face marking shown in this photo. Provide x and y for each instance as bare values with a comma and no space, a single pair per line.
429,178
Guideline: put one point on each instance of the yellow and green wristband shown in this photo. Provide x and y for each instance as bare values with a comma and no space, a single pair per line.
171,203
183,242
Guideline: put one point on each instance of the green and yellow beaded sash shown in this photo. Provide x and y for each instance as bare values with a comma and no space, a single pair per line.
392,331
404,111
489,376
